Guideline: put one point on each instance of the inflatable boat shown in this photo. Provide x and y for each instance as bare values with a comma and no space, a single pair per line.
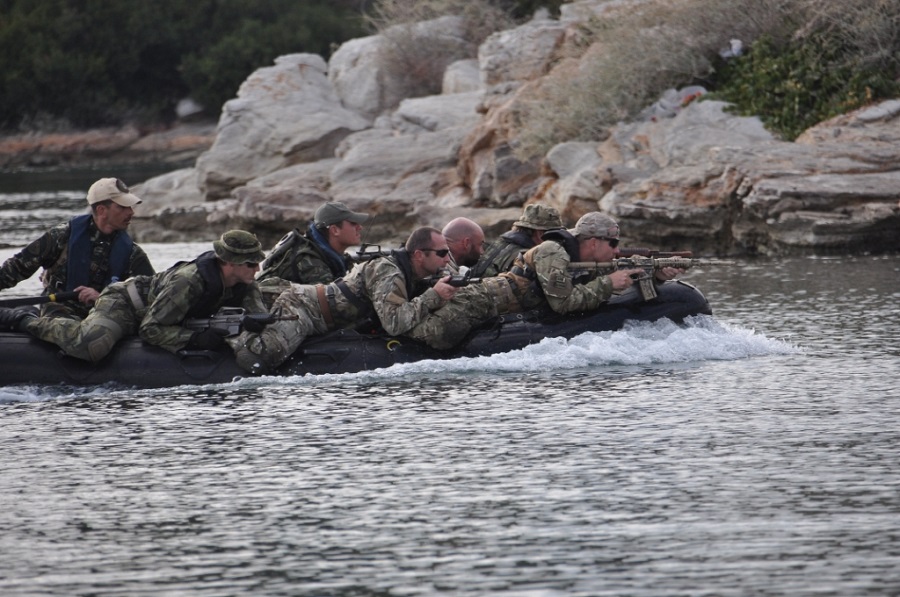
27,360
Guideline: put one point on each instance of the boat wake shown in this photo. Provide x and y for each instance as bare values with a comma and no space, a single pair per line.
639,344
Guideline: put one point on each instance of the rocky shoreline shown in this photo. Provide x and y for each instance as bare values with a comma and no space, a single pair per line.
691,177
179,144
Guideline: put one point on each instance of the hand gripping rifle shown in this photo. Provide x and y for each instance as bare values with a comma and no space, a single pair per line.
649,265
233,320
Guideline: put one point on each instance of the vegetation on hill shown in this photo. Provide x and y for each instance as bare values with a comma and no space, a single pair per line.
84,63
803,62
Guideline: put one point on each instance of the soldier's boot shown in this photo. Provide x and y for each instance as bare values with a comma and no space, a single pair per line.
14,320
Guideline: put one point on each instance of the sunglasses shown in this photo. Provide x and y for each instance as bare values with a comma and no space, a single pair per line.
613,242
250,264
438,252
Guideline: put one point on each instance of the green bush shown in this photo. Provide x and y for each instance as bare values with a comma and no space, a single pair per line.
792,88
80,64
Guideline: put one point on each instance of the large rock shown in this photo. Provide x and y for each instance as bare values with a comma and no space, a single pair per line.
173,209
368,86
520,54
722,184
284,115
462,76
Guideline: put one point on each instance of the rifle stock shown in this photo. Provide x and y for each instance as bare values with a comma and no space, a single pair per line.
55,297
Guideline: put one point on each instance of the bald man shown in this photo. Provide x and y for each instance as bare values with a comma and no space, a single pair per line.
465,239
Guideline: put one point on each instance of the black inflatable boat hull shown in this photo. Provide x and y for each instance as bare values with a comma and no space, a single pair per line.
26,360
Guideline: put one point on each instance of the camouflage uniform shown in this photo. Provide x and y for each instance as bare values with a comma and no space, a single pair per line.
50,251
539,277
116,313
383,287
182,292
305,259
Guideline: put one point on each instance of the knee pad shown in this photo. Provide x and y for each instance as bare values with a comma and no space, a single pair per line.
100,338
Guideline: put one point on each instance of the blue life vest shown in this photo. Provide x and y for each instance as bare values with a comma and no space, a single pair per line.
80,252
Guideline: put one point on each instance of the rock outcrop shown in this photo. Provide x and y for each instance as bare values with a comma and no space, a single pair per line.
689,176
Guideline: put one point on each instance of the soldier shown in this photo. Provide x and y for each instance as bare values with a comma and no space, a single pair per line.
222,277
538,277
84,254
388,288
318,257
526,233
466,241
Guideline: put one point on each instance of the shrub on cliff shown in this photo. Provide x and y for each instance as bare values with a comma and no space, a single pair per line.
419,60
628,59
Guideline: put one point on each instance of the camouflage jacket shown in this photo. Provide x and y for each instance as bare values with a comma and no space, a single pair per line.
50,251
305,260
501,254
548,264
184,291
399,301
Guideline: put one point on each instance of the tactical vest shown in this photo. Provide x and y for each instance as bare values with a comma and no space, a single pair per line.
359,297
292,244
513,237
523,276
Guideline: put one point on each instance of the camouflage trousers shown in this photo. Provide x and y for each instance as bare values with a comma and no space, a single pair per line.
471,306
261,353
113,317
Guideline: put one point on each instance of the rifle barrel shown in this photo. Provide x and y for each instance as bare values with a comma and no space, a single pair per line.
55,297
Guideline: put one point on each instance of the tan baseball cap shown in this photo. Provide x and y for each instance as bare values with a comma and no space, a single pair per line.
111,189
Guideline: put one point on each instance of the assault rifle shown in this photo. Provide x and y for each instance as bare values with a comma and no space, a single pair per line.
363,254
233,320
649,265
457,280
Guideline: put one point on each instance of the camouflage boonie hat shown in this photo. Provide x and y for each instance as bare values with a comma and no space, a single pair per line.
596,225
239,246
539,217
335,212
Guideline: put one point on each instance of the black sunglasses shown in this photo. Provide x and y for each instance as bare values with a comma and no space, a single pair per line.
613,242
438,252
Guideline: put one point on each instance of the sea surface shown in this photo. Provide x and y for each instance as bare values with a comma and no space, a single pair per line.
756,452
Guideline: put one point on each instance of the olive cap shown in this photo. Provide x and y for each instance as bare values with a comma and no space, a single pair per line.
335,212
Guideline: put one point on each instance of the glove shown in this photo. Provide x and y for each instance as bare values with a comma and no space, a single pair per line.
208,339
254,325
